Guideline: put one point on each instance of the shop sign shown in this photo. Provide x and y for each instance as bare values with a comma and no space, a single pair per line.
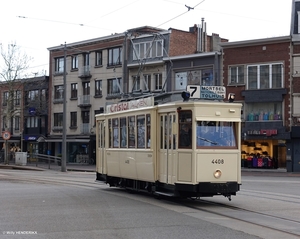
266,132
30,137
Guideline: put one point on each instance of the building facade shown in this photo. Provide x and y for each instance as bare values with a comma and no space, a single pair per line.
258,72
294,144
92,71
35,116
24,114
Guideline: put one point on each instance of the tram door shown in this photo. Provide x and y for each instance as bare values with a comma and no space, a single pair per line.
101,148
167,148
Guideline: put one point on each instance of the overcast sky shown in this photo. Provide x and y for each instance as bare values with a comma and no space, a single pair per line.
36,25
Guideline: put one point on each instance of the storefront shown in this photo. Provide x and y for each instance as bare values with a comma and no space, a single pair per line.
264,148
78,150
34,144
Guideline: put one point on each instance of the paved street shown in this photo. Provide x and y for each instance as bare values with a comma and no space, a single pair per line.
52,204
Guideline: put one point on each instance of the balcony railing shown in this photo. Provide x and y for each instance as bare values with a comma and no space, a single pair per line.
84,71
84,100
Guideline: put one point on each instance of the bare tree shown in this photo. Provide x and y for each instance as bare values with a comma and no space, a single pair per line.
13,66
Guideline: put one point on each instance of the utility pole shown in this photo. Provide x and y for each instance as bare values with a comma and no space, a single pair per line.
64,137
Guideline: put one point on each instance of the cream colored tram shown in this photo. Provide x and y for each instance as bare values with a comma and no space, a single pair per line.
185,149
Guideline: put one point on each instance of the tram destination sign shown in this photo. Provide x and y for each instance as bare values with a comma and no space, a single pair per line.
206,92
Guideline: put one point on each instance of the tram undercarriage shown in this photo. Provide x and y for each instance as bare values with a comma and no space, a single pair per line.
205,189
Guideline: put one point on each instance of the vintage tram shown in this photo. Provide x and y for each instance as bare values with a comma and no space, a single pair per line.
181,148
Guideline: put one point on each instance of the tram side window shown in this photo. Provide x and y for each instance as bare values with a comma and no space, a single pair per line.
109,133
161,132
123,126
140,131
116,133
148,139
99,134
131,131
185,127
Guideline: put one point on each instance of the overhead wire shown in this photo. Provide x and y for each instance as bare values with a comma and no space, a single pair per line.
189,8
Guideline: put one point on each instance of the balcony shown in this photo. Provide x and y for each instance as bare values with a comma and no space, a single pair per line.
84,73
84,101
85,128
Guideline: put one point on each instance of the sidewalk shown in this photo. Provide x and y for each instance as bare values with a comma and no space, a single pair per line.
55,167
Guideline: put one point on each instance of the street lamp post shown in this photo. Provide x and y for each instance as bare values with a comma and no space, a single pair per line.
64,136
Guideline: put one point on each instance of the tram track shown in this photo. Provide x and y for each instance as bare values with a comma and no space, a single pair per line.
274,223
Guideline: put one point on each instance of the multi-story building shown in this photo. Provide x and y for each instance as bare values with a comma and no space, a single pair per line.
35,115
293,153
24,114
92,70
11,112
166,61
258,72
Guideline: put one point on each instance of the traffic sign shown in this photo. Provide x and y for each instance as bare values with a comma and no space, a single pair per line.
6,135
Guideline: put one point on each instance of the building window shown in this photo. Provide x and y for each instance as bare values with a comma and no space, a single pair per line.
58,119
85,117
5,98
17,123
59,65
203,77
158,48
74,90
207,78
86,59
73,122
136,83
98,87
263,111
43,121
115,56
33,95
144,50
86,88
98,58
236,75
114,86
18,97
4,125
32,122
147,82
74,62
266,76
43,95
58,92
158,81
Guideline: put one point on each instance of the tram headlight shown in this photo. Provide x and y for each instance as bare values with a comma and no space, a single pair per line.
217,173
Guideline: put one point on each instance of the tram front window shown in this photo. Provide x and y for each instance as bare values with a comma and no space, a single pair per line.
215,134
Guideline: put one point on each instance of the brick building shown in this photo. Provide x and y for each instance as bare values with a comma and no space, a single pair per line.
258,72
